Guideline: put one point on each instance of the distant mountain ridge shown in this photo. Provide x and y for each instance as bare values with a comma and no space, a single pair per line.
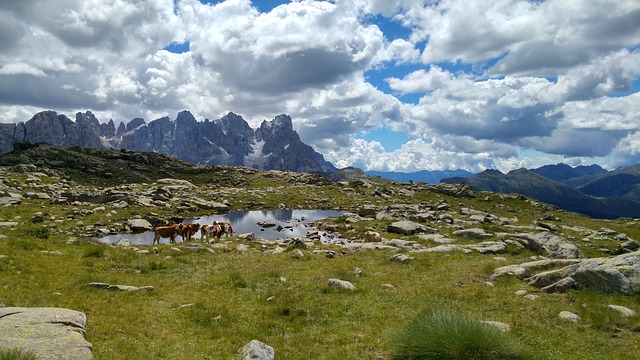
225,141
590,190
426,176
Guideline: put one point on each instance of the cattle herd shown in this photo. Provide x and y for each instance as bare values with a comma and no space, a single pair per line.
186,231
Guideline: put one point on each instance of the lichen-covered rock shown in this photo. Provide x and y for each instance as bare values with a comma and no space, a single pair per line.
50,333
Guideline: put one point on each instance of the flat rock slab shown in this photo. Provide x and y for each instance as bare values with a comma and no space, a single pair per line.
50,333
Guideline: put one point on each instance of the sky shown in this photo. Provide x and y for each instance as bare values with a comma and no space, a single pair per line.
403,85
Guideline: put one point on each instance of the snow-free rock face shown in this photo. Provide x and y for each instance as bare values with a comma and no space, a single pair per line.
225,141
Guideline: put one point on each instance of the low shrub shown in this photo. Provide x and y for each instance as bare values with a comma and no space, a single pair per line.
38,232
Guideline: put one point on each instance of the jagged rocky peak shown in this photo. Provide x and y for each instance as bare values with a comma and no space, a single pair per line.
87,119
108,129
232,123
135,123
185,117
280,129
121,129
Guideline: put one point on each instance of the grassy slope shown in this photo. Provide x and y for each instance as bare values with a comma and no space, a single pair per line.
207,306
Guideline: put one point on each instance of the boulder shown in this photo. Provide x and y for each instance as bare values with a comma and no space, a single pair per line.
139,225
50,333
256,350
406,227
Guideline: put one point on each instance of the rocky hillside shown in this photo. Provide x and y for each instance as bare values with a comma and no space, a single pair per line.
225,141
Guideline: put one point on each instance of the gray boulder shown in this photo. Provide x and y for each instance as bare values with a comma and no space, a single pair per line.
406,227
256,350
50,333
139,225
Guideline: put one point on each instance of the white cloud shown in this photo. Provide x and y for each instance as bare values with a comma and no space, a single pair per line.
537,82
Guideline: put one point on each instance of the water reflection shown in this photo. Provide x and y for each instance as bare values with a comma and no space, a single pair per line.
286,224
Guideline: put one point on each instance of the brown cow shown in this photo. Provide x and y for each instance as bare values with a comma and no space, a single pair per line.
188,230
170,232
215,230
226,227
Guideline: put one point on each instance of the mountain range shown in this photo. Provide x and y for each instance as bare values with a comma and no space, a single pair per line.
225,141
426,176
229,140
589,190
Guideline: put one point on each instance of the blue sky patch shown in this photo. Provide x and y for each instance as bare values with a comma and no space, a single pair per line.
389,139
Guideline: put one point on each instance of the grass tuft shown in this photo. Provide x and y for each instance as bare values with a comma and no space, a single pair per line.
441,334
94,251
17,354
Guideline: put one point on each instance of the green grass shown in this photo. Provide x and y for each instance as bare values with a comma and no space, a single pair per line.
208,305
17,354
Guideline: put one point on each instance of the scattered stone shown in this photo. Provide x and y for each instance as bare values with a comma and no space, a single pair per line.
247,236
297,254
622,310
569,316
521,292
504,327
104,286
256,350
357,271
123,242
341,284
473,233
437,239
242,248
400,258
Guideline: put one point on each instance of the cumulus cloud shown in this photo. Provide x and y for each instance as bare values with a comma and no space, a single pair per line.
501,83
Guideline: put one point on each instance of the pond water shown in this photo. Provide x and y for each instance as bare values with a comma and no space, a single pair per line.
284,224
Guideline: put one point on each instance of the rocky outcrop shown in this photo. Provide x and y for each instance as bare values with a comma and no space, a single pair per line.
225,141
618,274
49,333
